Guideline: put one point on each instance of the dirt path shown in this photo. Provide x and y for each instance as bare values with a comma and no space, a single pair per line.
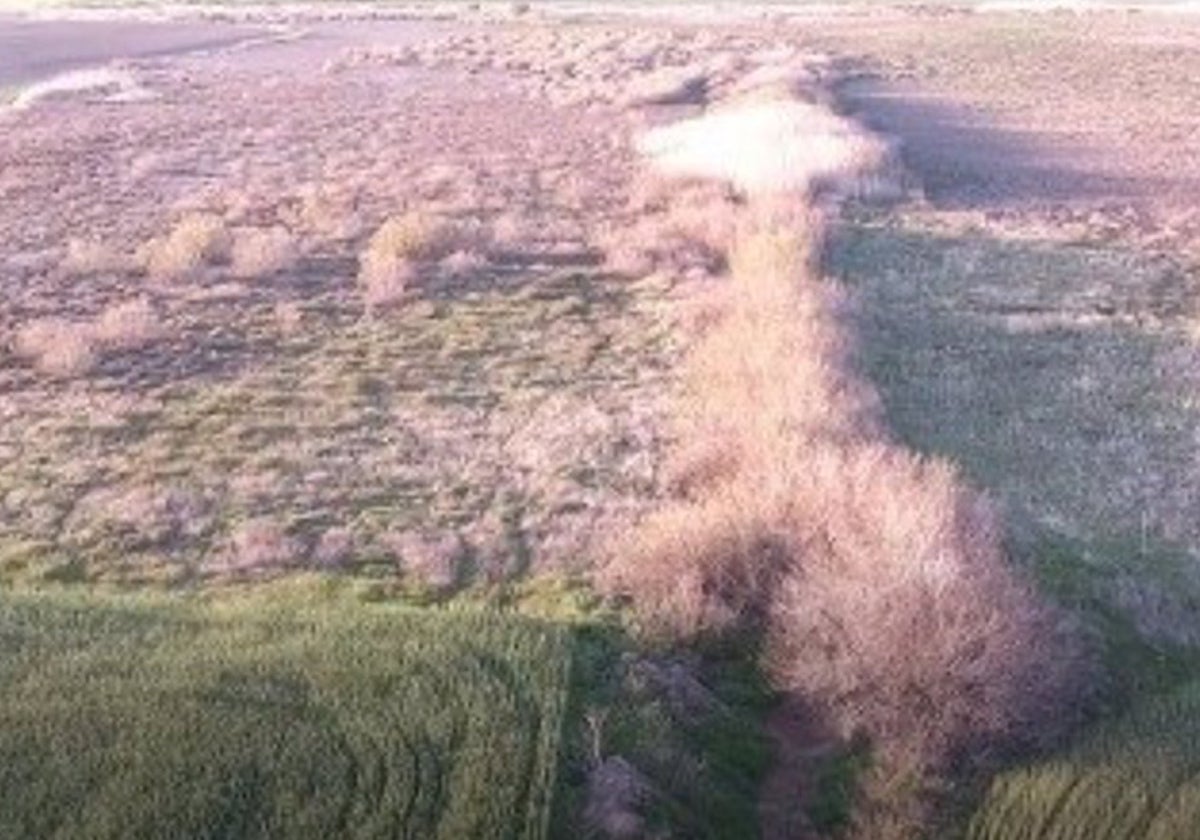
788,788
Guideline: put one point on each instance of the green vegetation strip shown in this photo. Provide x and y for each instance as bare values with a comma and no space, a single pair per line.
1139,777
263,719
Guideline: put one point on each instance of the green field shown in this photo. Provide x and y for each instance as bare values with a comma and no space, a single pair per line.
1139,777
306,708
155,719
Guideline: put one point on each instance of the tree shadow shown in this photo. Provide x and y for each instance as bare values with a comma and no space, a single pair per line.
1045,371
964,159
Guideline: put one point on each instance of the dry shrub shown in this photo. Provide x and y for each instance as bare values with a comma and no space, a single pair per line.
876,576
90,256
59,347
388,265
261,544
776,371
56,346
700,568
690,234
126,326
197,240
260,252
383,279
328,212
413,236
901,618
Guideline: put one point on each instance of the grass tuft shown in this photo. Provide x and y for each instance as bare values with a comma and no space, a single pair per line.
196,240
56,347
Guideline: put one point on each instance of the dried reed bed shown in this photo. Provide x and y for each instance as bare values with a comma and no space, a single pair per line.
875,576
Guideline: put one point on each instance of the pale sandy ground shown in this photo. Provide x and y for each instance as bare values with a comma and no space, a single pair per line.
34,50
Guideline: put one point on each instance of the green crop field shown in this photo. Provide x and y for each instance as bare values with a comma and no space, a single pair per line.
156,719
1139,777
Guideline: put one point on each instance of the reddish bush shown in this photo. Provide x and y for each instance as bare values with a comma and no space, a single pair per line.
876,575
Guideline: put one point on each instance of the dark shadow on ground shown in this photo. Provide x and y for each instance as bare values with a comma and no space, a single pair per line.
1051,374
1083,425
965,159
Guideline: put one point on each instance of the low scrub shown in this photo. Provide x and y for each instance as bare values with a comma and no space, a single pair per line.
875,576
90,256
56,346
388,265
404,246
65,348
261,252
126,326
197,240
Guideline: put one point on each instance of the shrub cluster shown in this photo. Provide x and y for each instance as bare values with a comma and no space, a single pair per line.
875,576
64,348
